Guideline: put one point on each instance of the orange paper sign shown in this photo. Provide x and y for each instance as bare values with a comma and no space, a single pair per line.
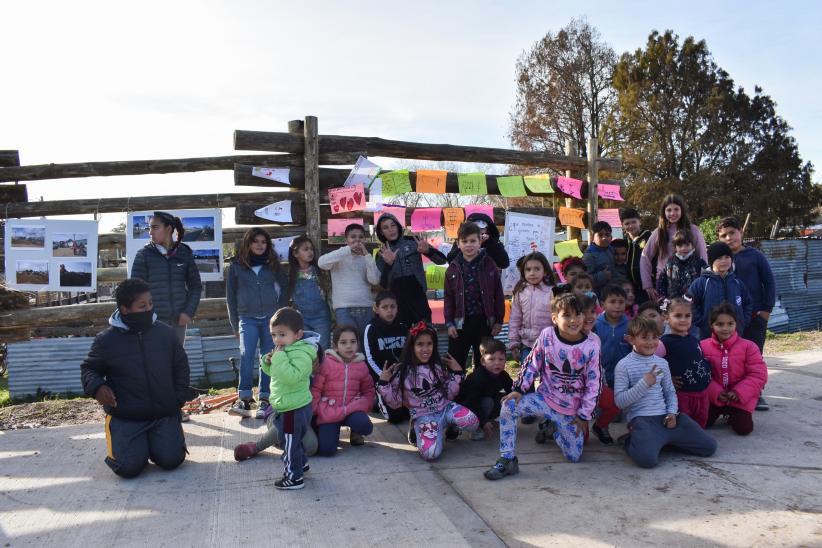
431,181
571,217
345,199
453,217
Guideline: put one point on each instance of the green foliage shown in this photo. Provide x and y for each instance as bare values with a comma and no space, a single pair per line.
5,397
708,228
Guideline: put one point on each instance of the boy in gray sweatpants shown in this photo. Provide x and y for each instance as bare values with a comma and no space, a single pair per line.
643,387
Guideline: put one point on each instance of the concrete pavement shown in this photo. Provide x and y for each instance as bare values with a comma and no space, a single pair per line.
765,489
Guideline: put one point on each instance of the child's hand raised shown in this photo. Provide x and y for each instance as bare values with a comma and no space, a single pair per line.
452,363
387,255
358,248
651,375
388,371
422,245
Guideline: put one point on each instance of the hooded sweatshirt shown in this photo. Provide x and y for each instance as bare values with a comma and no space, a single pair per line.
340,388
599,260
408,261
492,246
614,345
710,290
752,268
383,343
290,371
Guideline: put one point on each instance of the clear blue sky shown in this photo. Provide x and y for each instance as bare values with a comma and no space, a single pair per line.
110,81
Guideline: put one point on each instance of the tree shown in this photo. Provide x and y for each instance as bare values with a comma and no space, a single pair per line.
683,126
563,90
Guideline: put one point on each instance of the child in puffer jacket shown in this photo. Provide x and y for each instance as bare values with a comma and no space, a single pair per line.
342,392
530,305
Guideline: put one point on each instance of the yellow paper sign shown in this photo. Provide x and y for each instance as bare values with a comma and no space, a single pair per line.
396,182
435,277
568,248
511,187
431,181
569,216
539,184
472,184
453,217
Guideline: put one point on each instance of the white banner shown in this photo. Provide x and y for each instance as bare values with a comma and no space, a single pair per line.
524,234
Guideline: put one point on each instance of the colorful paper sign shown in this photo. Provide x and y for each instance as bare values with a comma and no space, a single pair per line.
525,233
396,211
452,219
539,184
363,173
511,187
336,227
279,174
609,192
568,248
396,182
431,181
569,186
435,276
345,199
278,212
610,216
569,216
374,196
281,246
425,219
486,209
472,184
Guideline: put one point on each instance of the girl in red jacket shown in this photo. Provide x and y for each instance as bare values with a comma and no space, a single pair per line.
738,372
342,391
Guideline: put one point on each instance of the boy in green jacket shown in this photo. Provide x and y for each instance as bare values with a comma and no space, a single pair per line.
289,366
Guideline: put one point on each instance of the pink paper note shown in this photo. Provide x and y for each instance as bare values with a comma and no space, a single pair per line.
396,211
609,192
571,187
425,219
346,199
434,241
479,208
610,216
336,227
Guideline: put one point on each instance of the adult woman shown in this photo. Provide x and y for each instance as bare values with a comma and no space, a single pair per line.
138,371
254,287
168,266
673,216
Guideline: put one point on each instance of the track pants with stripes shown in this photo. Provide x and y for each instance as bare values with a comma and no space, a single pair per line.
292,426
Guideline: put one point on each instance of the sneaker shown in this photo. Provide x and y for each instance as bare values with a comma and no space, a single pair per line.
452,433
603,435
356,439
478,435
241,408
262,409
184,417
503,467
761,404
528,420
412,434
306,468
288,484
545,432
245,451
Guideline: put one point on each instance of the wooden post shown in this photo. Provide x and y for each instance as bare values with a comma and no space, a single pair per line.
570,150
593,181
312,179
747,221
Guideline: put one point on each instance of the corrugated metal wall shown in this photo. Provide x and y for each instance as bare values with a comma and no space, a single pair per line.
797,267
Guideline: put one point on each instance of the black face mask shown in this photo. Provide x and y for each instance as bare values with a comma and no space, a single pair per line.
138,321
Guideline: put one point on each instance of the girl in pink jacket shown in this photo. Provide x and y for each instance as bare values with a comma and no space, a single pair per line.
738,372
342,392
427,386
530,305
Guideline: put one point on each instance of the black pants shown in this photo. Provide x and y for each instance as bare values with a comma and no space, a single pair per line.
412,302
756,331
474,329
485,408
131,443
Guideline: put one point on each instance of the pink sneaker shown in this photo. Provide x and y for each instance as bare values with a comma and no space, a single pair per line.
245,451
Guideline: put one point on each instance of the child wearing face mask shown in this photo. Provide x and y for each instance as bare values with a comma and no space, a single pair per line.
682,268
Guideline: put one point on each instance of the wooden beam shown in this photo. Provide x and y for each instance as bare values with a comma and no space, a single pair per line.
312,179
593,181
571,150
375,146
13,193
9,158
159,167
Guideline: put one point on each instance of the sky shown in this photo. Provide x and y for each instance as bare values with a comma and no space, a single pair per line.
96,81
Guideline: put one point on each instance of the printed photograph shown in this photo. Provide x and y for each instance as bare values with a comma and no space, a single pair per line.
198,229
66,244
140,227
207,260
75,274
33,237
32,272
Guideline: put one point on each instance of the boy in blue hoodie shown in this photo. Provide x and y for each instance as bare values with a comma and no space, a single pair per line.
752,267
599,257
716,286
611,327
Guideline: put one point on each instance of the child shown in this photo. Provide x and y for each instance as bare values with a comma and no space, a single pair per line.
484,388
569,268
384,341
637,238
599,257
530,304
400,265
752,268
567,362
489,237
308,288
611,327
643,387
474,303
353,272
289,366
738,372
342,392
650,310
681,269
716,286
631,308
689,371
254,287
421,383
620,249
582,285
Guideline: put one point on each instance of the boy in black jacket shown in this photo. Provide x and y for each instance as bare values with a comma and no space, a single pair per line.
482,390
384,341
489,240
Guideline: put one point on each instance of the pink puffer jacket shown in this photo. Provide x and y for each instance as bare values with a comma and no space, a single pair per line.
737,365
530,314
338,389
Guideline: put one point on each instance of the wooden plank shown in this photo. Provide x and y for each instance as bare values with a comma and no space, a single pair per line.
375,146
13,193
159,167
593,180
9,158
312,179
571,150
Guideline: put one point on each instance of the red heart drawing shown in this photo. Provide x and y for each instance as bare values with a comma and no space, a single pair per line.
336,208
358,197
349,204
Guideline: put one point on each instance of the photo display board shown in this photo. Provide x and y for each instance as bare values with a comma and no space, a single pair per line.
524,234
51,255
203,234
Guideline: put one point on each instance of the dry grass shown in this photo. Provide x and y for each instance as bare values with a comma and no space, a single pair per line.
793,342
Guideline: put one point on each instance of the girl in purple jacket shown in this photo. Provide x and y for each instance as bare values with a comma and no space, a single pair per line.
427,386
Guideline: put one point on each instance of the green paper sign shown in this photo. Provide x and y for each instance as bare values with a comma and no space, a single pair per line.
395,182
472,184
435,277
539,184
511,187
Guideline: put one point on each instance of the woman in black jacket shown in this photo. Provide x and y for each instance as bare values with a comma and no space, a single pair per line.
168,266
138,371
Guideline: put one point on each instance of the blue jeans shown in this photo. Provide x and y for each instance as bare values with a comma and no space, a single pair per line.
328,435
358,316
523,353
253,331
309,300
